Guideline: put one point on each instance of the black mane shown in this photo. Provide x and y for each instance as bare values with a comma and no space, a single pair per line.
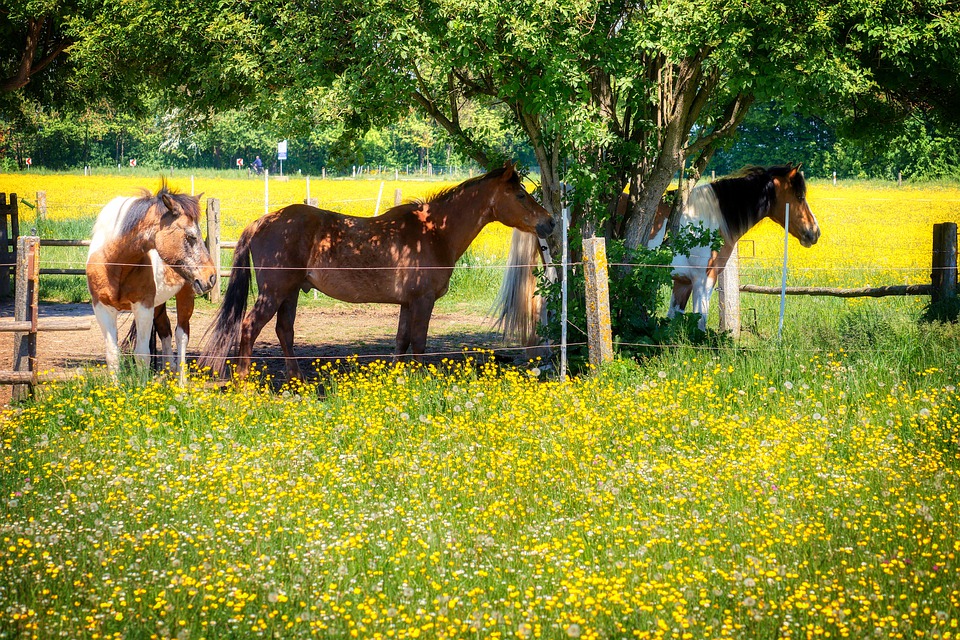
139,208
747,196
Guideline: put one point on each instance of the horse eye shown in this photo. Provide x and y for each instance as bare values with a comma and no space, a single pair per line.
521,195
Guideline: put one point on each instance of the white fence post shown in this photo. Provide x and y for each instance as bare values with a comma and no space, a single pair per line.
728,295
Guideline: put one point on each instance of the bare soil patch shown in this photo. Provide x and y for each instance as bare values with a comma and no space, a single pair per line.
323,334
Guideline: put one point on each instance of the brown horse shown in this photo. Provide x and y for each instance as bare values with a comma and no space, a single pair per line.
405,256
143,252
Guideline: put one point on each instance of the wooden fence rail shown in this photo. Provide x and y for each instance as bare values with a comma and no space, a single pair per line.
943,285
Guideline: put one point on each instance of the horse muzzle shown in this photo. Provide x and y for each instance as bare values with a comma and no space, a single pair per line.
200,287
809,238
545,228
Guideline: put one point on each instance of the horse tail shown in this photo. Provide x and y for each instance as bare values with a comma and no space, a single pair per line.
518,307
223,335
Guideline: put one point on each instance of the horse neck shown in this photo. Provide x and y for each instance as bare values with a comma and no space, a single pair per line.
128,250
739,207
461,218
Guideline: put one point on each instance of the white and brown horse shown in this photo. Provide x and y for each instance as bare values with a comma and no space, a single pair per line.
145,251
732,206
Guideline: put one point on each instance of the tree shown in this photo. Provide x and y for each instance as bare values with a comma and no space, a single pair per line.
33,35
615,95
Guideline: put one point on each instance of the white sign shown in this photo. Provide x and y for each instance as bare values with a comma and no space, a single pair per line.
239,162
29,161
282,150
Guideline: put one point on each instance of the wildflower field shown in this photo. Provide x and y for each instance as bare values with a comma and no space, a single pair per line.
803,489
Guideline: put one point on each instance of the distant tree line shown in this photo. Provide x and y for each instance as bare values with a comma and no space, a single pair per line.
918,149
61,139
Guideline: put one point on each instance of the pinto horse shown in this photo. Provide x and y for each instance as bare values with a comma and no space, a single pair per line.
145,251
405,256
732,206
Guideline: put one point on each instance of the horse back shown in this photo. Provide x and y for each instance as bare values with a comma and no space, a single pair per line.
346,257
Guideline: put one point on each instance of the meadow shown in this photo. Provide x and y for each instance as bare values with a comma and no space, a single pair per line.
799,489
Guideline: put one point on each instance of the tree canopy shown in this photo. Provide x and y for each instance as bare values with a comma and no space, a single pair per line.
609,94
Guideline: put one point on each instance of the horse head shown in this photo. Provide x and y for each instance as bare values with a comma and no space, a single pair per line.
792,189
179,242
514,207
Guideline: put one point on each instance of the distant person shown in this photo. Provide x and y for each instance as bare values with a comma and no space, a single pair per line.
258,165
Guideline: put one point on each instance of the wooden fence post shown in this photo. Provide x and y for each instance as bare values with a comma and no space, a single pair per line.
728,295
397,198
8,210
41,205
599,341
313,202
25,309
213,242
944,272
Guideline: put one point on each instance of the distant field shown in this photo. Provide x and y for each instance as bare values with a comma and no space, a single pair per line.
873,233
77,197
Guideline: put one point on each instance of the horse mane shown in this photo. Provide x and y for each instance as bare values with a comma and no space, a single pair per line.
141,206
746,196
445,195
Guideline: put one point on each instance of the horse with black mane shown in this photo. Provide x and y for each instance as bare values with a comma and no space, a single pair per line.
405,256
731,206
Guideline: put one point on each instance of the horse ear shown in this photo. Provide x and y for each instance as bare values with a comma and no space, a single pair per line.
171,205
508,170
793,170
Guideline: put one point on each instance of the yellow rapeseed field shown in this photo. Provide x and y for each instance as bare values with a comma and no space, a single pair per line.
71,197
871,236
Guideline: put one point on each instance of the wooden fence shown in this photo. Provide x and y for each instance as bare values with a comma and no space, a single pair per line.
943,281
26,322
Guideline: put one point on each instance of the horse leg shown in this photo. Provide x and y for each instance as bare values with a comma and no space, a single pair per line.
143,317
682,288
420,311
702,289
107,319
403,331
286,315
263,309
161,322
185,305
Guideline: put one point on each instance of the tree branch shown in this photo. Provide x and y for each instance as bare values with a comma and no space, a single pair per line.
468,144
29,67
734,114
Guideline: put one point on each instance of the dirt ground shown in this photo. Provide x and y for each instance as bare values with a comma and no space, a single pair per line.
322,334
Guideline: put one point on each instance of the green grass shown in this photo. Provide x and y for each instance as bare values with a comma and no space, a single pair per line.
808,489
